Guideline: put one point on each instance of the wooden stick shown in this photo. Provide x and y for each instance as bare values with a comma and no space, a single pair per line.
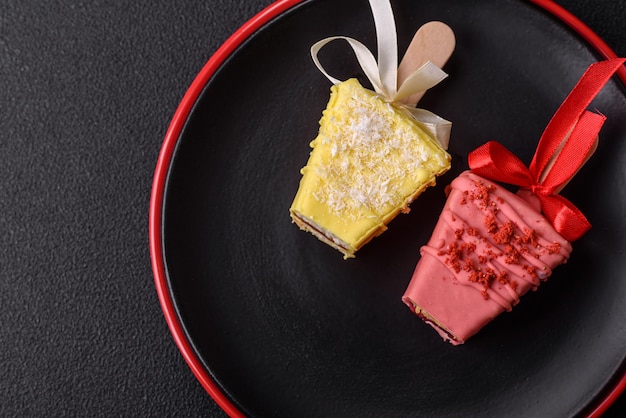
434,42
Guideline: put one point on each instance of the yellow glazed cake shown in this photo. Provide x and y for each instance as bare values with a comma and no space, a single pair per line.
370,160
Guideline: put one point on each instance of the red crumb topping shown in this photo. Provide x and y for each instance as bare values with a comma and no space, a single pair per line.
515,244
481,193
512,256
491,224
504,234
553,248
531,271
529,237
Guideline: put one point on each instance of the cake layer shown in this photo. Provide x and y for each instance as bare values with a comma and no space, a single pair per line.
370,160
489,248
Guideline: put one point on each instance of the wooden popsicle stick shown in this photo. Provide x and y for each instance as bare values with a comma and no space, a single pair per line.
587,157
435,42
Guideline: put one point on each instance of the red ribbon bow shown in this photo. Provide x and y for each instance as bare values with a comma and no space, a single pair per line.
562,150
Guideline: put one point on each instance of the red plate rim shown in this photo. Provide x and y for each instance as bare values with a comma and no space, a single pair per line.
167,149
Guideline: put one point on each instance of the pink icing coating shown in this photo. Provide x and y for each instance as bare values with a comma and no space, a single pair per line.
489,248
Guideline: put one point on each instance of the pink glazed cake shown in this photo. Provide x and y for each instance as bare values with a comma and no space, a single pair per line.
491,246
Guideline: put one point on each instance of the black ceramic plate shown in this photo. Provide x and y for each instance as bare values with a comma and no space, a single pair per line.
275,323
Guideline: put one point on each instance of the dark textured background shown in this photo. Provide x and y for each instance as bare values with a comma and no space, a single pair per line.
87,90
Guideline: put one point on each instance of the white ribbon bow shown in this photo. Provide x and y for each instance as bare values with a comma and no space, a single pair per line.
384,74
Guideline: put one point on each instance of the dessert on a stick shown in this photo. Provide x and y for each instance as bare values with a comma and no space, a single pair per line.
375,152
490,246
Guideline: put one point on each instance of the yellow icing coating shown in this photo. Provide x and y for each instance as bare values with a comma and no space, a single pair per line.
370,159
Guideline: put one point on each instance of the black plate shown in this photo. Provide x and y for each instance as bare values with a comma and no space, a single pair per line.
279,324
